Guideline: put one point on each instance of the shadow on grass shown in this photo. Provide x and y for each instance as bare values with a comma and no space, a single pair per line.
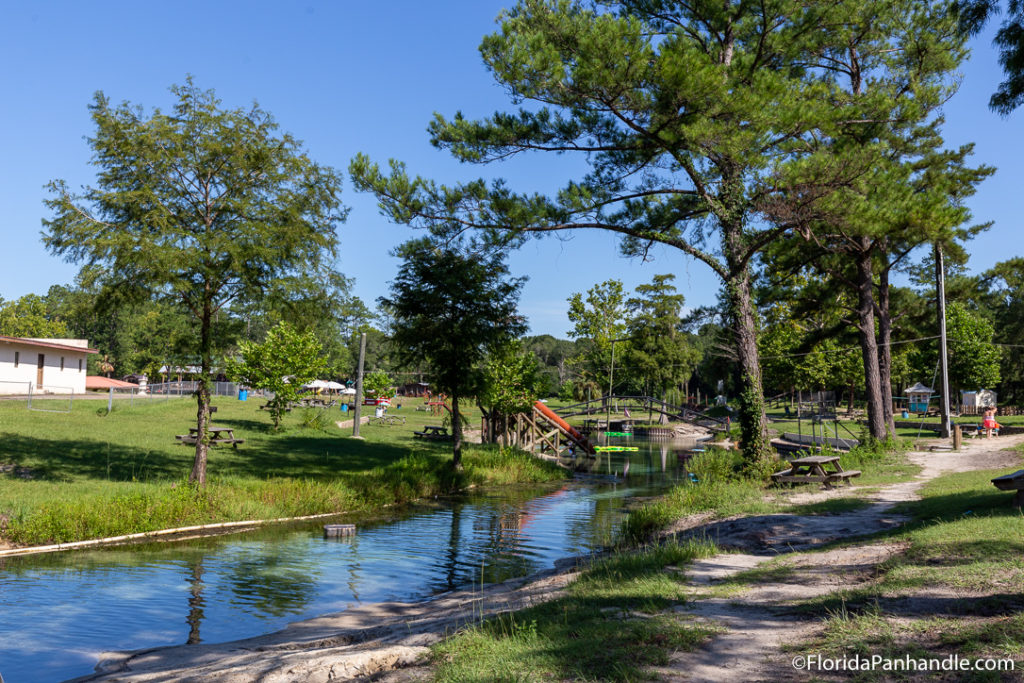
299,455
315,456
862,602
56,459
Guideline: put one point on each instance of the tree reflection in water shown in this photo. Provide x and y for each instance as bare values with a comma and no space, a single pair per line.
195,599
274,583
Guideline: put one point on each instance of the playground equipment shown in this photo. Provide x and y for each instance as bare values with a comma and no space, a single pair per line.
539,430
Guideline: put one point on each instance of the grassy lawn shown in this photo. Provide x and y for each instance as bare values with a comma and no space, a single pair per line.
87,474
956,588
610,626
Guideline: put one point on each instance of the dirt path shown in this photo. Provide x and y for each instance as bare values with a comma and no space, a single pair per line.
756,623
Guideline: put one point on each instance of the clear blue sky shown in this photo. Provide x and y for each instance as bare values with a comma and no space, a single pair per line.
347,77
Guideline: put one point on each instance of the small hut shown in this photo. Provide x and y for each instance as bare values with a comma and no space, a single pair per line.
974,402
918,397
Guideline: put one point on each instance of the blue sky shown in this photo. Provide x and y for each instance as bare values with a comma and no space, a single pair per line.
347,77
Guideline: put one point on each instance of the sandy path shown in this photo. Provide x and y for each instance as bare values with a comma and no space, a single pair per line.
756,622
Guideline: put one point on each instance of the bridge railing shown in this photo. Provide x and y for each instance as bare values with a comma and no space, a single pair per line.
639,403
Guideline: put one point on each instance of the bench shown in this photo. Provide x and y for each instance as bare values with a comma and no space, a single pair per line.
1012,482
432,433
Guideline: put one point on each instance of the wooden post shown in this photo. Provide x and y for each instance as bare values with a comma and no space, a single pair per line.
359,385
958,437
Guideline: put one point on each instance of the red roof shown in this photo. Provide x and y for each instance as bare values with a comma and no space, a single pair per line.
45,344
97,382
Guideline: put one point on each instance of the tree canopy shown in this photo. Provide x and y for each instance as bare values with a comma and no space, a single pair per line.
696,120
200,206
285,361
450,306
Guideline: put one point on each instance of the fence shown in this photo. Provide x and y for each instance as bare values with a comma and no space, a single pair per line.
46,399
61,399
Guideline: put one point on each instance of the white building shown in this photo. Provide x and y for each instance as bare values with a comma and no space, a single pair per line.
53,366
974,402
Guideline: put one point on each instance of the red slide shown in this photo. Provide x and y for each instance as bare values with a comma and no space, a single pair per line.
554,419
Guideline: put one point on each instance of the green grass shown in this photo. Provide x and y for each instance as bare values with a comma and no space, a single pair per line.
724,491
93,475
720,489
611,625
964,556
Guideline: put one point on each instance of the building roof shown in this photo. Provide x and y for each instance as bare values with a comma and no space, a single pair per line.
47,344
98,382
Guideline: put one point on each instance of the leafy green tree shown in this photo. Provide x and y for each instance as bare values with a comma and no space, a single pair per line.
660,355
449,309
510,379
900,55
974,15
378,383
200,206
380,351
510,384
30,316
598,321
1004,290
282,363
553,355
695,119
973,358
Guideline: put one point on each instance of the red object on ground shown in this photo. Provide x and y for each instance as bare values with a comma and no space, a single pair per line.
97,382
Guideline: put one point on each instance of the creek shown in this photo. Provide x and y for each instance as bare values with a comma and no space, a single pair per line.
59,612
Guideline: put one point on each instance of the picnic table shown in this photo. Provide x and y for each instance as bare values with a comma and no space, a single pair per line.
432,432
218,435
1012,482
823,469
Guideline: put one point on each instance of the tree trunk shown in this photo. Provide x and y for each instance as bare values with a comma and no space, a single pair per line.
198,475
868,343
885,351
456,434
753,422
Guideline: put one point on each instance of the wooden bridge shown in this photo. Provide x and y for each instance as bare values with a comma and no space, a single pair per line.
636,406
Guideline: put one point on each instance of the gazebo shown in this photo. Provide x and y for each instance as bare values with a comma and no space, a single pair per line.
918,397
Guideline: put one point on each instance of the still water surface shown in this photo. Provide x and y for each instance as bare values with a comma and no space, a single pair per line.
59,612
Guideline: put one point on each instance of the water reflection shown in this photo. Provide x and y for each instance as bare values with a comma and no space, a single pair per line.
57,612
195,601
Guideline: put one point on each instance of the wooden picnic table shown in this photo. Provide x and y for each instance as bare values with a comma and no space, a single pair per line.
1012,482
432,432
218,435
823,469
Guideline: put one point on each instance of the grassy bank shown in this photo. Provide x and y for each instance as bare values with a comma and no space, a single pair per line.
724,491
86,474
611,624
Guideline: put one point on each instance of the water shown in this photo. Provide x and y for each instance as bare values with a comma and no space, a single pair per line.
59,612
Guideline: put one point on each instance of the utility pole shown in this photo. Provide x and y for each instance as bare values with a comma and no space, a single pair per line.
940,288
359,386
608,403
611,376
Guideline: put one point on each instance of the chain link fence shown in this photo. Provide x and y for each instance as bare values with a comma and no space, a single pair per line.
61,399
